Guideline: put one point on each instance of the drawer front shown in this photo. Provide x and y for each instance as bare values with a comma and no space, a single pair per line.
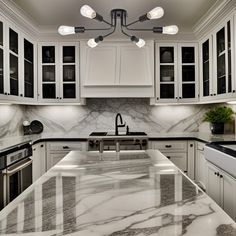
67,146
179,159
171,146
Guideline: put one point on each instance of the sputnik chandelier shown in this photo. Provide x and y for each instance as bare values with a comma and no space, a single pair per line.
120,14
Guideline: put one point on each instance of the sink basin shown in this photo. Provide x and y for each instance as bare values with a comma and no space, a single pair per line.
223,155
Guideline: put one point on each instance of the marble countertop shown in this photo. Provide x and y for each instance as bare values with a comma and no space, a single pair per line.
131,193
7,143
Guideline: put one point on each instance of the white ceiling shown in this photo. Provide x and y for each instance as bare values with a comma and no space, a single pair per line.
52,13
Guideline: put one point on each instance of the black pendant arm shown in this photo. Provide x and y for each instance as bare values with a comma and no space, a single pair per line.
132,23
126,34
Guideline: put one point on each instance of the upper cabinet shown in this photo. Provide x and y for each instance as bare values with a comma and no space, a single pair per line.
216,69
117,69
17,65
176,72
58,72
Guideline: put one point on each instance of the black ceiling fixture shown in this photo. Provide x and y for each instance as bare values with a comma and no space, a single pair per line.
120,14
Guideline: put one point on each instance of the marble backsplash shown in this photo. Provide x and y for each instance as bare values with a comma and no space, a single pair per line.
99,115
11,118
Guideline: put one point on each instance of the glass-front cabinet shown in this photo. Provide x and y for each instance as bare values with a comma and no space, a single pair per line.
14,62
58,72
176,72
188,71
216,64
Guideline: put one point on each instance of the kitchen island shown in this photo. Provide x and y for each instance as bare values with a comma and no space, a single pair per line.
127,193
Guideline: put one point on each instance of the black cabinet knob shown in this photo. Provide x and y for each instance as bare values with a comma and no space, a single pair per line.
21,95
191,145
168,146
57,97
60,98
214,94
168,157
180,97
221,176
42,145
211,94
8,94
176,97
65,147
233,91
5,93
157,98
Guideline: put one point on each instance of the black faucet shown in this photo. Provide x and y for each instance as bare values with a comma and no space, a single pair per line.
116,123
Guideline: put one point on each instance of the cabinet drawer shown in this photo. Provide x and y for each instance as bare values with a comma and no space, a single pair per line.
179,159
171,146
66,146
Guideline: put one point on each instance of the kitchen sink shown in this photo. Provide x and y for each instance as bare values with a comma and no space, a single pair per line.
223,155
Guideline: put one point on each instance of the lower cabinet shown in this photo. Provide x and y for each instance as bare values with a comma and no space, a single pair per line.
180,152
200,165
221,187
39,160
57,150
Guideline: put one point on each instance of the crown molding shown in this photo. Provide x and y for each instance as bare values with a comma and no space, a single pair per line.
214,15
19,17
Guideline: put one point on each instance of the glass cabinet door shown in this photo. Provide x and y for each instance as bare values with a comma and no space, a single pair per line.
167,73
68,72
1,60
188,72
229,57
28,69
13,60
221,56
48,72
205,69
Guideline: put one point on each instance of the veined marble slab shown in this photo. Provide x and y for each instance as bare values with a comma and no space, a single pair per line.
131,193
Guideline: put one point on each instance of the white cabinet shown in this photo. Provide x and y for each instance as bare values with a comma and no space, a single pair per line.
176,72
117,69
57,150
17,64
181,153
39,160
222,188
217,58
200,166
58,72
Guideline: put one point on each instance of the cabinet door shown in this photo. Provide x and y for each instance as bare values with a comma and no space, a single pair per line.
48,72
188,72
179,159
200,168
2,71
136,65
223,59
213,183
166,73
99,66
206,83
228,201
69,72
13,54
29,70
54,158
39,160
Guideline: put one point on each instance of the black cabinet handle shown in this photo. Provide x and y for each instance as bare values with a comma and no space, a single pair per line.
5,93
8,94
34,149
21,95
60,97
221,176
211,94
41,145
157,98
57,97
168,146
233,91
191,145
168,157
214,94
65,147
176,97
180,97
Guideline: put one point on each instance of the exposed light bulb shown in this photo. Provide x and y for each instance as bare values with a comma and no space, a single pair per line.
171,29
92,43
155,13
66,30
140,43
87,11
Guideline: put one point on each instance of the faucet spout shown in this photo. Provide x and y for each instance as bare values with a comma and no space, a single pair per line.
118,115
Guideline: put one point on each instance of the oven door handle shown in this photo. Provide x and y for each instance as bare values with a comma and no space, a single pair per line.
10,172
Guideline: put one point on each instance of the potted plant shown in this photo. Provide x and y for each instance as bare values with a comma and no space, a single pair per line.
218,116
